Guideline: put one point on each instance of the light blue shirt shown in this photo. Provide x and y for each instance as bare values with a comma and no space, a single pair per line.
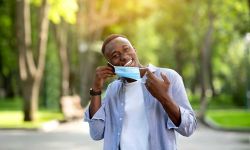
108,120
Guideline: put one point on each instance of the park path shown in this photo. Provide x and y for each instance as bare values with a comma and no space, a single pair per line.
75,136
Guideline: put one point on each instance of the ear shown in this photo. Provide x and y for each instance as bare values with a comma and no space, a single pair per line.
134,49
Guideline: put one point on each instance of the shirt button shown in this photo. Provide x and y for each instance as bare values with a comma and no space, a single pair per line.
122,104
120,118
118,133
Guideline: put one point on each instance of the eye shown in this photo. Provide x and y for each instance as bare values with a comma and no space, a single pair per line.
115,56
126,49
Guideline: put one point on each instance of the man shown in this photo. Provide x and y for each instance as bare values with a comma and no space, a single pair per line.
137,113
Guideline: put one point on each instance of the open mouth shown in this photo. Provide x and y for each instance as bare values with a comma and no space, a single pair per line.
128,63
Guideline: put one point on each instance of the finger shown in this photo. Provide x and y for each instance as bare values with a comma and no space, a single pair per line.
106,72
101,68
165,78
109,68
146,85
149,74
106,76
149,83
101,73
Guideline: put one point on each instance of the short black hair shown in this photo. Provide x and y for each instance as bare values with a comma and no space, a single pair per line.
110,38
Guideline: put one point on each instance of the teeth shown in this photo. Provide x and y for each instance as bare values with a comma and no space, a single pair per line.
128,63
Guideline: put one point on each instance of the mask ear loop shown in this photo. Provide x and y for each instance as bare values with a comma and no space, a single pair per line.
111,64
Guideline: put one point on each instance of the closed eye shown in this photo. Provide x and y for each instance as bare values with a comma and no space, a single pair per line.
126,49
115,56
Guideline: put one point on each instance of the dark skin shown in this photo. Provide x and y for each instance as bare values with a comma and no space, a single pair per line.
119,52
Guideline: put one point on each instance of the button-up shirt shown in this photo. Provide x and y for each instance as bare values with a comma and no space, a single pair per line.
108,120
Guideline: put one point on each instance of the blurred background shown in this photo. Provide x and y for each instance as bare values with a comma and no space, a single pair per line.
49,50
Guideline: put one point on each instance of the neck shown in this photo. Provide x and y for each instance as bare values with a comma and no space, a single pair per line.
129,80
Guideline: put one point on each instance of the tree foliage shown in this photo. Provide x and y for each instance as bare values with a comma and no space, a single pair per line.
167,33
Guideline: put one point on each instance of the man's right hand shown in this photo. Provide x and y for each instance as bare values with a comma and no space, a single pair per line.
102,73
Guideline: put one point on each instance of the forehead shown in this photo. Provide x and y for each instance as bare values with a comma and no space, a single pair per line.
116,43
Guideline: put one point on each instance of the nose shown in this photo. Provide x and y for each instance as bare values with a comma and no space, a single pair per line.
124,58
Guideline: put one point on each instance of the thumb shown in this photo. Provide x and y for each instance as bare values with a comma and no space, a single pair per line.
149,73
165,78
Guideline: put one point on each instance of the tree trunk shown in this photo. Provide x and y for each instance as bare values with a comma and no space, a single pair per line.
87,72
61,35
205,52
30,74
211,75
177,55
195,81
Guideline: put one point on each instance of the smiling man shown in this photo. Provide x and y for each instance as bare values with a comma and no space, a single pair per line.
143,109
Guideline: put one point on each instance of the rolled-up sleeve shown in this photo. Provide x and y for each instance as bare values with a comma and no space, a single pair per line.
188,123
188,120
96,123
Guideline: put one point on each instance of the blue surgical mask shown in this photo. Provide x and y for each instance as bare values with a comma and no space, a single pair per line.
127,72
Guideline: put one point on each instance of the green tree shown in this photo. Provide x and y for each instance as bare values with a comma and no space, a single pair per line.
31,71
9,83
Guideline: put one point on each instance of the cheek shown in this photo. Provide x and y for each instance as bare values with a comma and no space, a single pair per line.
115,62
134,56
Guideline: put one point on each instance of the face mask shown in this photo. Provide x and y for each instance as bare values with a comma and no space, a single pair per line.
127,72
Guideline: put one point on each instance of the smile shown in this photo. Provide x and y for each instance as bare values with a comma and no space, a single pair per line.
128,63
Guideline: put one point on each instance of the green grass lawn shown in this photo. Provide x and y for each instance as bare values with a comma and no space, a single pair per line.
14,119
11,115
232,118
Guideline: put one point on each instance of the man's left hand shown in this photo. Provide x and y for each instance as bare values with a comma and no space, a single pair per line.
156,86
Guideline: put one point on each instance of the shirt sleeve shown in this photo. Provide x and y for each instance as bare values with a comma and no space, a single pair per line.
97,122
188,120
